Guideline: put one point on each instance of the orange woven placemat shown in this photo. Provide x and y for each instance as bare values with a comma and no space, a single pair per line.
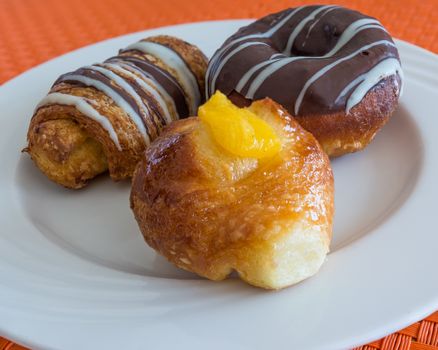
34,31
422,335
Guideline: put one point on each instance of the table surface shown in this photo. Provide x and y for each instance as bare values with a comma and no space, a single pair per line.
33,31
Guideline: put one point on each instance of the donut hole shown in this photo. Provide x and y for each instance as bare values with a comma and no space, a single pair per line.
316,43
238,99
330,30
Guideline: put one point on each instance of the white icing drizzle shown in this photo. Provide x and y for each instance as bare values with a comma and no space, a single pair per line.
297,30
113,94
219,53
231,54
150,89
82,105
275,55
152,81
346,36
280,24
348,88
245,78
352,30
317,21
382,70
375,26
267,72
173,60
324,70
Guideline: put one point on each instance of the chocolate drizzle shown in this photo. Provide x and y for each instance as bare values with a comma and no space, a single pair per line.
168,82
181,70
311,59
119,90
150,96
86,72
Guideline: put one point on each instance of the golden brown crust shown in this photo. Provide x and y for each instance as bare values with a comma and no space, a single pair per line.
210,212
66,153
341,133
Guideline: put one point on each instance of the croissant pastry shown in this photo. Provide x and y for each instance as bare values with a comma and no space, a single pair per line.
102,117
214,195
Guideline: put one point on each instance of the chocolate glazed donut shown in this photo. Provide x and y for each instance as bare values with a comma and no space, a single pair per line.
335,70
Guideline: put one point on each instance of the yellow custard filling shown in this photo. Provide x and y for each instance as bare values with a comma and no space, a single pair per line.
238,130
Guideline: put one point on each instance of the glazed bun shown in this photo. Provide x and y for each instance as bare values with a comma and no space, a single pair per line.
211,212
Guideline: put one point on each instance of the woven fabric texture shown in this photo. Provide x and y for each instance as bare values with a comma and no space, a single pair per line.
33,31
422,335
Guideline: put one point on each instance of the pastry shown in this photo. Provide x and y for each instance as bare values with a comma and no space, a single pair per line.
245,190
102,117
335,70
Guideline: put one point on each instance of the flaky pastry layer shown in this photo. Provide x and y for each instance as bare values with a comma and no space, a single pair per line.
210,212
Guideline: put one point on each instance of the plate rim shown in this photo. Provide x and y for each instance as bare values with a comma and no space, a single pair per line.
413,315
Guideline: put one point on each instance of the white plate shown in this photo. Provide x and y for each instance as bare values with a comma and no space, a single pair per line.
75,273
